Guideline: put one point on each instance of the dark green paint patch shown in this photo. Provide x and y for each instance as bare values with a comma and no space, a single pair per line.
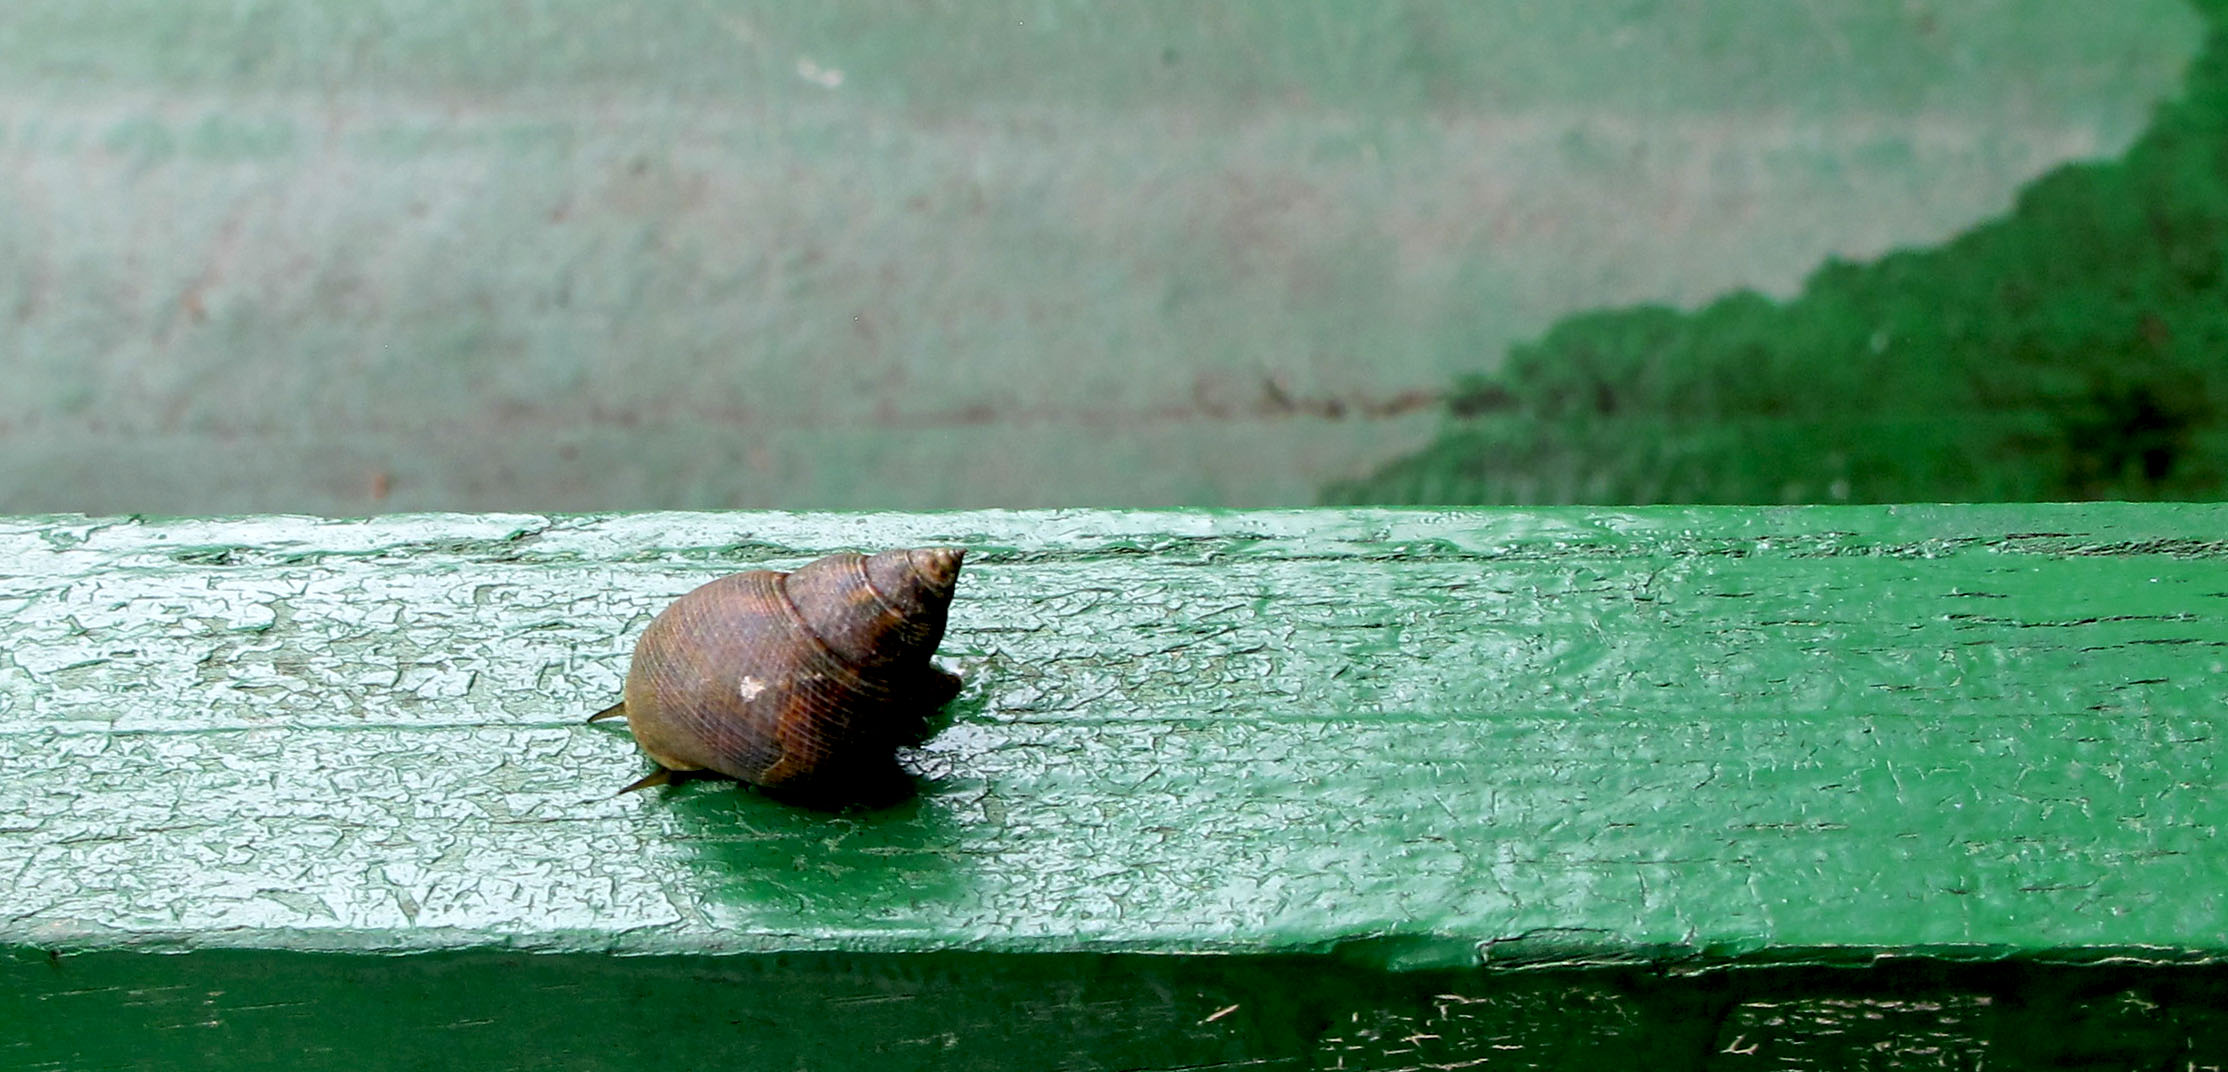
2075,350
234,1009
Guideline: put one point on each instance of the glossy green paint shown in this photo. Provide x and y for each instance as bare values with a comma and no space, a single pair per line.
1417,750
2074,350
1427,737
369,255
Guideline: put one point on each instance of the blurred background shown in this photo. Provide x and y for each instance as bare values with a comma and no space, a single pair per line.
381,255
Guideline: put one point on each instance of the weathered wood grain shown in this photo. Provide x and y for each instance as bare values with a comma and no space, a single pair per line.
1422,738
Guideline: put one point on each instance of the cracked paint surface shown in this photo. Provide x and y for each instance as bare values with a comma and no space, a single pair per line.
1424,738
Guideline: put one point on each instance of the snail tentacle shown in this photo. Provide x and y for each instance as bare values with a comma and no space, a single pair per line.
660,776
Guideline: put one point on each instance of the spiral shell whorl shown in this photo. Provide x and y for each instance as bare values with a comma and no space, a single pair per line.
876,611
779,678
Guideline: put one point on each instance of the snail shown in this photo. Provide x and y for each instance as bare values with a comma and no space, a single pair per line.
804,684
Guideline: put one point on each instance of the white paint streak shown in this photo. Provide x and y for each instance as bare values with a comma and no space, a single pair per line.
824,77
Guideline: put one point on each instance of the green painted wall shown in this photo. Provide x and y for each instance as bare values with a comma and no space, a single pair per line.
350,257
2077,349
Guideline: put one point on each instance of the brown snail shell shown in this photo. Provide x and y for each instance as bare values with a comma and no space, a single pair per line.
802,683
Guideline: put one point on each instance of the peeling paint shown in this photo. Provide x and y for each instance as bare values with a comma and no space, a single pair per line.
1416,739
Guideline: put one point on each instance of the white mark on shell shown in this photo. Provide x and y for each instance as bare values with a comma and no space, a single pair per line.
750,687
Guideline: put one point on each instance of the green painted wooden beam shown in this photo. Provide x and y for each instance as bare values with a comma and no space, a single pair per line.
1413,745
